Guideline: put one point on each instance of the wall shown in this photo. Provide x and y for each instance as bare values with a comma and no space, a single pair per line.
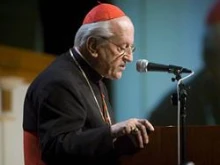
20,24
167,32
11,132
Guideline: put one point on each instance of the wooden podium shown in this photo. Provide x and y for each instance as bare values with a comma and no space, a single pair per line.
202,147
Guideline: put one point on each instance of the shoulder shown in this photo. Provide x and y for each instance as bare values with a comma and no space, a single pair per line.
61,73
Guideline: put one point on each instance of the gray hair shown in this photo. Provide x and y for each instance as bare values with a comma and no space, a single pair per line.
99,29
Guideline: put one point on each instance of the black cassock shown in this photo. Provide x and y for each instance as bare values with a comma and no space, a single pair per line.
60,107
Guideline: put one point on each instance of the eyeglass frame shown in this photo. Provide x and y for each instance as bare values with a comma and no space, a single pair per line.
122,51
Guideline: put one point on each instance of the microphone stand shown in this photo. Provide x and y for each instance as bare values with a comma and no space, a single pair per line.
180,99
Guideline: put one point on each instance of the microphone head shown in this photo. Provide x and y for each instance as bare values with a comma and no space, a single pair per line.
141,65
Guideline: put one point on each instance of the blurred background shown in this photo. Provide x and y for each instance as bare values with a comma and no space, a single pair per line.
34,32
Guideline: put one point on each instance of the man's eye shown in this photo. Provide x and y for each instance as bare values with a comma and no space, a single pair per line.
120,49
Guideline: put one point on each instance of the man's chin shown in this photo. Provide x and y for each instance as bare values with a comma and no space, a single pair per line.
114,76
118,76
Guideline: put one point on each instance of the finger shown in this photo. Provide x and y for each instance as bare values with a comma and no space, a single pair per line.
129,127
135,130
147,124
131,124
144,134
140,139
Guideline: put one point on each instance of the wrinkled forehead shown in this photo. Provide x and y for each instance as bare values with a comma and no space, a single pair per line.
121,24
123,30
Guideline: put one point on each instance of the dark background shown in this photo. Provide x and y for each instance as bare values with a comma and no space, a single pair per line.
60,21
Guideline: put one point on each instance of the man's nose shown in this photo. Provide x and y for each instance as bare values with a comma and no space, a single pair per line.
128,56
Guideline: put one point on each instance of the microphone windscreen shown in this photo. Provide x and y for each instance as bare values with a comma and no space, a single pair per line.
141,65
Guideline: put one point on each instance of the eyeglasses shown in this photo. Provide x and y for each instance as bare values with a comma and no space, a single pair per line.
121,51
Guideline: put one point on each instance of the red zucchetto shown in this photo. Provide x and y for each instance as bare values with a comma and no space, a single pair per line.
103,12
214,14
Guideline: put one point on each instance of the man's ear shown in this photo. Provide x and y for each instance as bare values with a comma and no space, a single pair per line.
92,46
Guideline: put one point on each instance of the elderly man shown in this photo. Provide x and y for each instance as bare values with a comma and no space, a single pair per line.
67,106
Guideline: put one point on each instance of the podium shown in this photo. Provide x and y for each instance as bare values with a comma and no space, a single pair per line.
202,147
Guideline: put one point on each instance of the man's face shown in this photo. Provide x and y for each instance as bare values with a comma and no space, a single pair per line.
117,50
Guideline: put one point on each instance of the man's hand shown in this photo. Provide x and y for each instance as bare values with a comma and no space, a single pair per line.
138,127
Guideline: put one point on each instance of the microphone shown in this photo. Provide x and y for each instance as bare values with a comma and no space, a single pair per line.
143,65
